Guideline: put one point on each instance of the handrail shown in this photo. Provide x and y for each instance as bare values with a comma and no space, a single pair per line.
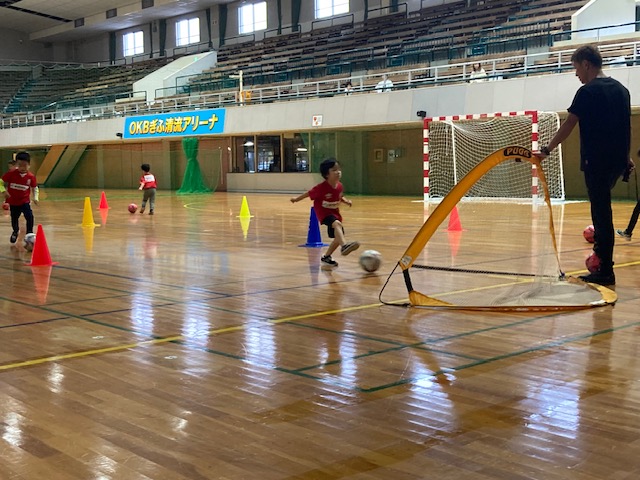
191,48
333,21
519,66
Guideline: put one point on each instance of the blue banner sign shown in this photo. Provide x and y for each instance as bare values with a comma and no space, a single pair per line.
176,124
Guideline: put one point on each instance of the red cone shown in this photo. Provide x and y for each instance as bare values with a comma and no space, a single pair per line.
454,221
40,256
41,277
103,202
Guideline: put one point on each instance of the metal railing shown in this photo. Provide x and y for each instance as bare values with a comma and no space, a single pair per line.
497,69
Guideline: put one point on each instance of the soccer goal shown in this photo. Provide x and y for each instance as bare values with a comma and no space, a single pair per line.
508,259
454,145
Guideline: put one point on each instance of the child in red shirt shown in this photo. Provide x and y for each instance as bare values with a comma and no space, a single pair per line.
148,186
327,197
17,185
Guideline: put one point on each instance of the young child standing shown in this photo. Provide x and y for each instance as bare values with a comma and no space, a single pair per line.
327,197
17,186
148,186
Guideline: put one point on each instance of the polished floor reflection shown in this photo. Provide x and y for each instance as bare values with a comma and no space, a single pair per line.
194,344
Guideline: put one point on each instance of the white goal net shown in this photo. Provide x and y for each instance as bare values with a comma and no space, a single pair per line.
454,145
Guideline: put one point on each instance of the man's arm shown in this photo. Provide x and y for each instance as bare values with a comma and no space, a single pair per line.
563,132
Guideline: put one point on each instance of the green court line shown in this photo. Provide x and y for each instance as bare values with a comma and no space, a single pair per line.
504,356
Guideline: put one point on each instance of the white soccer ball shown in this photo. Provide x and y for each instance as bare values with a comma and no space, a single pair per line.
370,260
29,241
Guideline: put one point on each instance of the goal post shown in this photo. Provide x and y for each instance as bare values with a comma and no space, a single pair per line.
453,145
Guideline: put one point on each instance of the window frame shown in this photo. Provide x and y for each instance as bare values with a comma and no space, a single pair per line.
191,37
252,26
135,49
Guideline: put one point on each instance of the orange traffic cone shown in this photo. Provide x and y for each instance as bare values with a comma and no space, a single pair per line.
103,202
104,213
41,278
454,221
40,256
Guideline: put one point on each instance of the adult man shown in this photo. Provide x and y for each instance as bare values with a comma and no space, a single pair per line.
602,108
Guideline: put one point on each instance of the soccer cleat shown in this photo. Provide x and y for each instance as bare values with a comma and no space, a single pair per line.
624,234
14,237
599,278
327,260
141,211
347,248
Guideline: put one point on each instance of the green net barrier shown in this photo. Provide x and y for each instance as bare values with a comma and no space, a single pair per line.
193,181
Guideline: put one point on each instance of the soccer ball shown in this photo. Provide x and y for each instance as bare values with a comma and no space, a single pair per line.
29,241
133,207
589,234
592,262
370,260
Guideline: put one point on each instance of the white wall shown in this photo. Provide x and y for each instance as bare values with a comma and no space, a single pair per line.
598,13
175,73
545,92
17,46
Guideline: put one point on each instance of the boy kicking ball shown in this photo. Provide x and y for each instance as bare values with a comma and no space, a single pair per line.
327,197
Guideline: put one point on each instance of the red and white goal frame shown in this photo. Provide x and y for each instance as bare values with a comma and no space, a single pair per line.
533,114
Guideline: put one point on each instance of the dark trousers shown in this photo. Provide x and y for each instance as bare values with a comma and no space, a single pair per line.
634,218
16,211
599,185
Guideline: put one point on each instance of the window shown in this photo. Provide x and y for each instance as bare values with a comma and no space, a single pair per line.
253,17
258,154
133,43
329,8
188,31
296,152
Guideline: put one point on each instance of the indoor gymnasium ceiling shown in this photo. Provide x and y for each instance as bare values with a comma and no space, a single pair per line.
59,20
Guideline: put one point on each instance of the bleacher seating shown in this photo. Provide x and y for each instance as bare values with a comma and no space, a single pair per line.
387,41
391,40
51,87
10,83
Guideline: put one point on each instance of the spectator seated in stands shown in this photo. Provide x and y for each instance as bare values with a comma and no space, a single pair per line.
478,74
348,88
384,85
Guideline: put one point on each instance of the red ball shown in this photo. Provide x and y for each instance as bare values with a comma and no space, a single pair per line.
592,262
5,206
589,234
133,207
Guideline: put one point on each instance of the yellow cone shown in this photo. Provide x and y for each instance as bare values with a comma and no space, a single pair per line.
244,209
87,216
87,233
244,224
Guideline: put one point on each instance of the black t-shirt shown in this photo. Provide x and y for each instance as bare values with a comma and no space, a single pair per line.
603,107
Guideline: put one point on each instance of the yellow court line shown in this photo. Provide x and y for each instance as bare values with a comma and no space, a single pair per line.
86,353
38,361
174,338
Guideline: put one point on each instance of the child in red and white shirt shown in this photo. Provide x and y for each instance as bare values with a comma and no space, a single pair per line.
327,197
17,185
148,186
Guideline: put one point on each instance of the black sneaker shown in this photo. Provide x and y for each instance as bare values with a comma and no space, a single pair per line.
599,278
327,260
14,237
347,248
624,234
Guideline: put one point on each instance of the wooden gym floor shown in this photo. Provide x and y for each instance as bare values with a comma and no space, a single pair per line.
175,346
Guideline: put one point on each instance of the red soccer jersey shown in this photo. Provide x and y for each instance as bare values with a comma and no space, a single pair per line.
19,186
148,180
326,200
